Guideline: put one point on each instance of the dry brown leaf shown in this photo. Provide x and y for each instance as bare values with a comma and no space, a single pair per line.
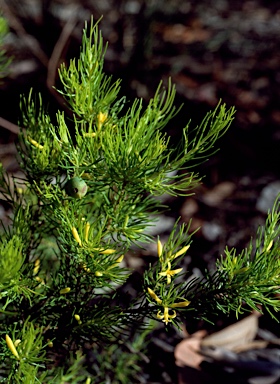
187,352
235,336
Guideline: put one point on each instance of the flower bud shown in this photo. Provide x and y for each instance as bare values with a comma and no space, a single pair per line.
64,290
11,346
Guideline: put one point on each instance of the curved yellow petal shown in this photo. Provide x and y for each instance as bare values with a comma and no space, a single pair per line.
181,304
154,296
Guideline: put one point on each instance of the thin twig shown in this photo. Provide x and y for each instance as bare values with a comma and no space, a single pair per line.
58,48
29,40
10,126
56,55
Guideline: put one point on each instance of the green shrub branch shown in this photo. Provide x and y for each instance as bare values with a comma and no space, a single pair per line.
87,196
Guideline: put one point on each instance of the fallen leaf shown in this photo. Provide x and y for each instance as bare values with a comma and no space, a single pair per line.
187,351
235,336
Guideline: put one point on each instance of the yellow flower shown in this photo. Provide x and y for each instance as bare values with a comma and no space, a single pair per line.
105,251
101,117
87,231
166,317
76,236
64,290
154,296
11,346
116,264
41,281
169,273
36,267
85,267
181,304
159,248
120,259
33,142
170,257
179,253
77,317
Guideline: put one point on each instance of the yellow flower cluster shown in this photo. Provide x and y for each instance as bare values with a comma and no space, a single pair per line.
76,236
166,264
167,314
102,251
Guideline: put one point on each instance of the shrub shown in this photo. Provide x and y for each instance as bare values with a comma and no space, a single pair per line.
87,196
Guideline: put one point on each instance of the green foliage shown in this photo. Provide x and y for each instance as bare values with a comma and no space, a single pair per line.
22,357
253,275
119,363
88,195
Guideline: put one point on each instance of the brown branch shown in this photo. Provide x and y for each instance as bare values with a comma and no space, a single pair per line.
10,126
29,40
59,47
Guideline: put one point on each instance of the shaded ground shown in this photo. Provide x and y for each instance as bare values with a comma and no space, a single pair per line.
212,50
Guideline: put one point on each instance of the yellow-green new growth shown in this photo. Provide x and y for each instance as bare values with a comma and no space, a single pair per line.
269,246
